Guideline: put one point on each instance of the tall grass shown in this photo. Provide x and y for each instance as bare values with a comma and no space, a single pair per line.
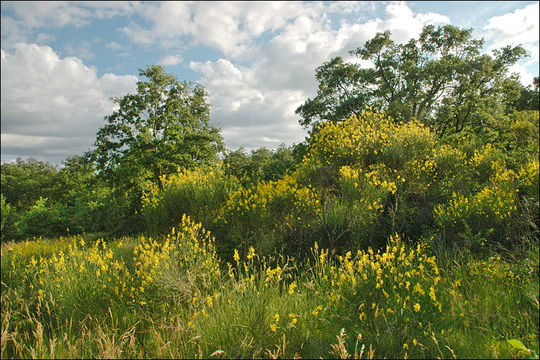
398,302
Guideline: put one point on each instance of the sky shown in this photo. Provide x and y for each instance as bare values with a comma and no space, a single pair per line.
62,61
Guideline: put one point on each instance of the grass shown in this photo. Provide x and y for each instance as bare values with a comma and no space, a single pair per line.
175,299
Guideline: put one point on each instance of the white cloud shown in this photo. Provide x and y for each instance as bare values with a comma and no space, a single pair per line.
79,49
268,55
227,26
44,38
525,76
255,102
404,24
31,15
248,115
113,45
171,60
53,105
37,14
518,27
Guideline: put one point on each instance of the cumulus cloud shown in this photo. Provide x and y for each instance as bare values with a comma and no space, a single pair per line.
265,67
113,45
51,106
404,24
257,101
270,52
31,15
518,27
81,50
248,115
171,60
227,26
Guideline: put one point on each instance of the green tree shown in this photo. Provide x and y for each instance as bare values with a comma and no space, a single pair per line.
441,78
85,195
162,127
25,181
261,164
528,97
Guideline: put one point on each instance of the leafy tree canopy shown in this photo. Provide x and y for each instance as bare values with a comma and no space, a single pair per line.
529,96
261,164
441,78
162,127
25,181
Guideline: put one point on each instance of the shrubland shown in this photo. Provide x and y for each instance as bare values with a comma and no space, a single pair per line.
380,236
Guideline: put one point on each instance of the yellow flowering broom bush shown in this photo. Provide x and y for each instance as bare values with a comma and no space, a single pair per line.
199,193
391,297
274,215
391,166
78,277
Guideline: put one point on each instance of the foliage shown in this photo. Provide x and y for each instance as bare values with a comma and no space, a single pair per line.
275,215
375,237
165,125
261,164
41,200
199,193
529,97
9,220
441,78
25,181
169,297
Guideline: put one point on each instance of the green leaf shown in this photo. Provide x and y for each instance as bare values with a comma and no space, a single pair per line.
518,345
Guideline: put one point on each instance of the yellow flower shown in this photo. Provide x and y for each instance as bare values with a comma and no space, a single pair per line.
316,311
276,318
292,286
273,327
417,307
236,257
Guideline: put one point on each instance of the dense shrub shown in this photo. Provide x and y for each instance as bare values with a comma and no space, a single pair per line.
274,215
200,193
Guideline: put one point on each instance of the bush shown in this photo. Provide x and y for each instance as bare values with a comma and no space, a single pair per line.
9,229
198,193
273,214
44,218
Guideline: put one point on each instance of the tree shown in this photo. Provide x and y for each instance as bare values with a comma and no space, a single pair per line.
162,127
529,96
25,181
441,78
261,164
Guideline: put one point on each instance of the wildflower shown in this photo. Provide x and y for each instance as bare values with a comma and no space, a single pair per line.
316,311
236,257
432,294
417,307
292,286
273,327
276,318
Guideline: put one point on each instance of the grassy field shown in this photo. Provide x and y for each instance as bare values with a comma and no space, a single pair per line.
173,298
384,242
